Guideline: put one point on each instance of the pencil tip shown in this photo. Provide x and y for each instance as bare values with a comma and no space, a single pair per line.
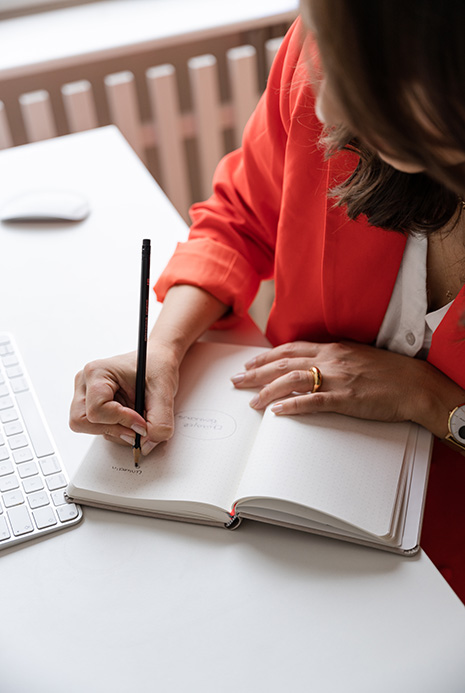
136,455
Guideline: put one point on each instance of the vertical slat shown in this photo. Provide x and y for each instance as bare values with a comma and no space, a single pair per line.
79,106
6,139
263,301
271,48
37,115
164,101
203,76
243,77
122,101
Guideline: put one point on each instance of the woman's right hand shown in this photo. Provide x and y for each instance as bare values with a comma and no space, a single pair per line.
103,402
104,391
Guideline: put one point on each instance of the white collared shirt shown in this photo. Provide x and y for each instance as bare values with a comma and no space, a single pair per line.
407,326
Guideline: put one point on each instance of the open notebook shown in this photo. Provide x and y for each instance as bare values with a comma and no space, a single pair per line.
362,481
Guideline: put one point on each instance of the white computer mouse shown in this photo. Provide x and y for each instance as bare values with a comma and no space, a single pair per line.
45,205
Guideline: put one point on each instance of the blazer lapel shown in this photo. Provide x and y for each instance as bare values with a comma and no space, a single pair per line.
447,350
360,266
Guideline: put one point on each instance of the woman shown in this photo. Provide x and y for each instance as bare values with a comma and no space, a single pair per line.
378,313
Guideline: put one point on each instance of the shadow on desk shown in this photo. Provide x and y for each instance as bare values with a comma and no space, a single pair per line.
269,549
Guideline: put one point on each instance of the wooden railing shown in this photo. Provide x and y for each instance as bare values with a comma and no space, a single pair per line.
169,128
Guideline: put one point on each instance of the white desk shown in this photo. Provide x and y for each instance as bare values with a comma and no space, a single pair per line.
125,603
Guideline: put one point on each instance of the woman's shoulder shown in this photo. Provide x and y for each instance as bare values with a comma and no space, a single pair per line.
290,87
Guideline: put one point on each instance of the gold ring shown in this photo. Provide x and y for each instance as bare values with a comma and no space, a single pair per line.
317,378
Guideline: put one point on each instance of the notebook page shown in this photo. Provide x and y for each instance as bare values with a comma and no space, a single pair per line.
203,462
345,467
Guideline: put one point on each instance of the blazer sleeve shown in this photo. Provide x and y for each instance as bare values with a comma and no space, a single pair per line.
231,245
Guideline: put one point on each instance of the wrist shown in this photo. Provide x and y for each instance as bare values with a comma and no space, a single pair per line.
173,345
186,313
456,428
437,396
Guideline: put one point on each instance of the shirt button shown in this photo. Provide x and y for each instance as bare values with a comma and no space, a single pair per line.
410,337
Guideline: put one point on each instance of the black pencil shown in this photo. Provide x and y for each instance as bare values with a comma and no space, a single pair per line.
139,404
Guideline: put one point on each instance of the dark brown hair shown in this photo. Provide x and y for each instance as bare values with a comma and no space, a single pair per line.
388,61
406,202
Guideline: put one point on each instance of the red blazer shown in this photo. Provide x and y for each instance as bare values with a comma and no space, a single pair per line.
269,216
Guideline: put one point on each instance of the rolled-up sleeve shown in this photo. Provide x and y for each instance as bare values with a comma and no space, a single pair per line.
231,245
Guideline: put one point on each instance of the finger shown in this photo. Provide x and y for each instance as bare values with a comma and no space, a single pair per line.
127,422
102,409
124,440
285,351
146,445
256,377
311,404
80,423
295,381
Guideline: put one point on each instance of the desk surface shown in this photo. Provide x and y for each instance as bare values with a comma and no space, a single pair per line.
130,603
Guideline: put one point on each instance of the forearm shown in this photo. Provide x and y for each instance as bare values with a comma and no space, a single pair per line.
186,313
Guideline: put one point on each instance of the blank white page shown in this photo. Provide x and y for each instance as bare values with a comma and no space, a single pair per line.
345,467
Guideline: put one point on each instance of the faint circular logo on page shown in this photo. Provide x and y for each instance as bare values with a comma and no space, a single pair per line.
206,424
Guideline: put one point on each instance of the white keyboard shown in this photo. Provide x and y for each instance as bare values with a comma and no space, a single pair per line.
32,476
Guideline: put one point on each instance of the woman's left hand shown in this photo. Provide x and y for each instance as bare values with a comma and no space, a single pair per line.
357,380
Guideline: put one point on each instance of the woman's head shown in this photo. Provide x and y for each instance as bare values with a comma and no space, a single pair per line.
395,70
393,81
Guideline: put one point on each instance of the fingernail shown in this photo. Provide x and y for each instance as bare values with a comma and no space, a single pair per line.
148,447
127,439
139,430
277,408
251,363
236,379
254,401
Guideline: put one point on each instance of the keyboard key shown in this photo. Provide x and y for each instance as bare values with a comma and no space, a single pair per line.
9,359
4,531
33,483
56,481
13,428
4,455
11,498
20,520
23,455
8,483
39,436
19,385
49,465
27,469
4,390
6,403
14,372
16,442
44,517
6,468
38,499
67,512
58,497
2,440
